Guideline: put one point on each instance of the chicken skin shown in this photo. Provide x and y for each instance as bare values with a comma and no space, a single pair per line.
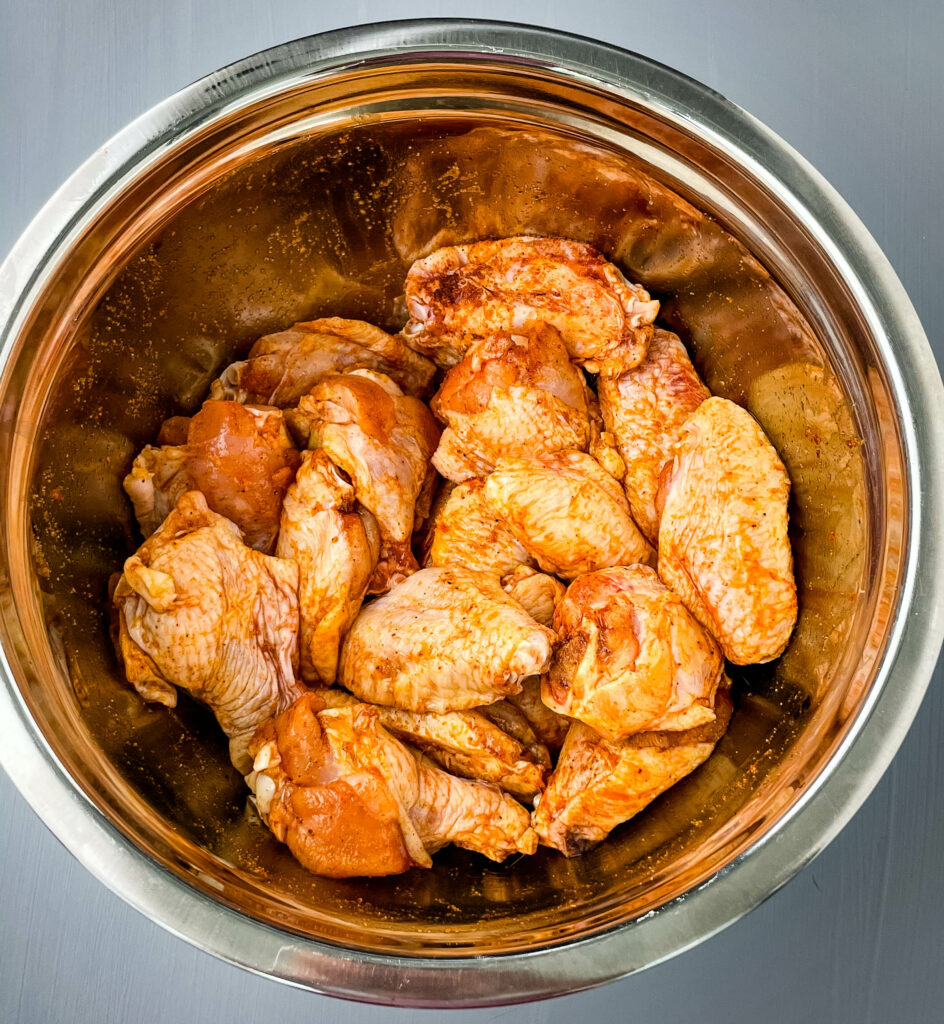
567,512
466,533
598,785
445,639
548,726
723,544
512,394
645,410
281,368
351,800
466,743
383,440
240,457
632,658
464,292
199,609
325,536
536,592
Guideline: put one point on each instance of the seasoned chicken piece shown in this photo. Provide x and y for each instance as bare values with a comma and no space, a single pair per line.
512,394
466,743
466,533
383,440
597,785
283,367
548,726
723,544
632,658
464,292
536,592
200,610
350,800
568,513
645,410
603,445
325,536
445,639
155,484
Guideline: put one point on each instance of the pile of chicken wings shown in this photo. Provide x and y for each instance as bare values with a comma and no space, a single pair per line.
497,619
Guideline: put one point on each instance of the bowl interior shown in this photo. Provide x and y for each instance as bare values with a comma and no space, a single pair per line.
312,199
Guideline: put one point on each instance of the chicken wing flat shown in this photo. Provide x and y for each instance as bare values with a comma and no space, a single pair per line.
548,726
199,610
464,292
568,513
632,658
445,639
723,544
466,743
283,367
383,440
350,800
323,533
536,592
645,410
512,394
240,458
598,785
466,533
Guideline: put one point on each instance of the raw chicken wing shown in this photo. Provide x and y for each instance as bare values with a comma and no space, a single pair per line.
548,726
466,533
632,658
466,743
645,410
464,292
383,440
155,484
283,367
350,800
325,536
446,639
512,394
597,785
568,513
200,610
536,592
723,544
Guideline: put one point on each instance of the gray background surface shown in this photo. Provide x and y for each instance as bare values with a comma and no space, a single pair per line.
858,89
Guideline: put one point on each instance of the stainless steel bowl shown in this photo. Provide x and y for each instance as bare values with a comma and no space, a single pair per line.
304,180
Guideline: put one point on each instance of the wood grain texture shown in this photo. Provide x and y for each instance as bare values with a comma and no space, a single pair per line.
858,936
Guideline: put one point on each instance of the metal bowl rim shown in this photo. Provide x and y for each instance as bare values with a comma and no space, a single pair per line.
856,767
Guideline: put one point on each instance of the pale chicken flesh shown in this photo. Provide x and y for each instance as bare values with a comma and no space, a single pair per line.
512,394
351,800
598,785
464,292
466,743
383,440
631,657
645,409
723,543
567,512
536,592
281,368
324,534
446,639
199,610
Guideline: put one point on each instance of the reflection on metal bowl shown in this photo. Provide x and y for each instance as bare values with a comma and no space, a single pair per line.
303,182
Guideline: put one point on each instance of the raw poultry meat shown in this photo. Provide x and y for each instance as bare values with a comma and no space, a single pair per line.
567,512
383,440
464,292
723,544
282,367
536,592
548,726
351,800
199,610
445,639
644,409
631,658
597,784
324,533
512,394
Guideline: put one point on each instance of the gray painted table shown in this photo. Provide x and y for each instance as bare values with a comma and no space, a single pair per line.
858,89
